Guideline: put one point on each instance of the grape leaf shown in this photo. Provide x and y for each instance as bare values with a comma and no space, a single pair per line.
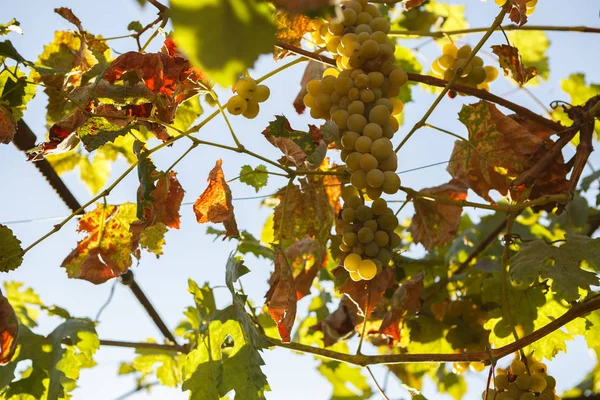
214,204
291,28
347,380
169,371
11,26
450,16
532,46
518,11
8,126
306,258
512,64
187,113
11,253
247,243
223,37
281,297
498,150
309,7
314,70
562,265
361,291
68,14
25,303
579,92
434,223
304,149
339,324
405,300
15,93
8,50
257,177
9,331
106,252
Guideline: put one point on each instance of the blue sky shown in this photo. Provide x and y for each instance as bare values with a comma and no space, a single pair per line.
191,254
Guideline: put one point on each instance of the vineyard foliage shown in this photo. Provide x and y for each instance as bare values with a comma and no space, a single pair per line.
433,296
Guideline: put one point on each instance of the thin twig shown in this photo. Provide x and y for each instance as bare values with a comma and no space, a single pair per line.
107,302
379,388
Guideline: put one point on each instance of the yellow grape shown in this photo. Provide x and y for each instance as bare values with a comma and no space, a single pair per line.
450,49
352,262
236,105
252,109
245,87
358,179
262,93
355,276
367,269
375,178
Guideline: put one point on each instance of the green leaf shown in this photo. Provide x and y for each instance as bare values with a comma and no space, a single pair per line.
223,37
98,131
94,174
347,380
247,243
8,50
11,253
22,302
575,86
135,26
257,177
532,46
451,383
15,92
11,26
169,370
453,16
204,299
562,264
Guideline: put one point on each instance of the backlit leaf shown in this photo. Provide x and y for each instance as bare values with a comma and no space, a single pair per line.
9,331
257,177
281,296
512,64
10,250
533,46
405,300
290,30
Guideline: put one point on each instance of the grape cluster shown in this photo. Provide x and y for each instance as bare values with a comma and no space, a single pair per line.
523,381
467,333
474,74
249,94
368,235
530,5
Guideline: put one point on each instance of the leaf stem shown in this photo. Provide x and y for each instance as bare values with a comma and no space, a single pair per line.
379,388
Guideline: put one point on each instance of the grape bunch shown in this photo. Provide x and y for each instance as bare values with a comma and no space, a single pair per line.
474,74
368,235
249,94
467,333
524,380
530,5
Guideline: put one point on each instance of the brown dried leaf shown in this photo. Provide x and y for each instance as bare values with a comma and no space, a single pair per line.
340,323
67,14
214,205
511,63
518,11
373,290
9,331
408,4
8,127
314,70
306,258
405,300
306,6
434,223
281,297
290,30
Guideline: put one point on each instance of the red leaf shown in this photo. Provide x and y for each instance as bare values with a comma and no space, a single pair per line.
360,291
511,63
9,331
214,205
405,300
281,298
8,127
518,12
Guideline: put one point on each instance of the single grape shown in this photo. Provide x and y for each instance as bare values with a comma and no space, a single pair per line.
390,163
364,213
389,222
365,235
546,396
514,391
236,105
395,240
367,270
344,248
349,140
391,183
246,87
491,73
373,193
375,79
477,61
518,367
343,85
309,101
348,215
538,383
353,161
527,396
384,256
381,238
380,24
371,224
380,115
382,149
371,9
477,75
350,17
357,122
398,106
446,61
358,179
327,84
355,276
354,202
375,178
333,44
363,144
379,37
398,77
477,366
362,20
262,93
354,94
372,131
356,107
450,49
371,249
367,96
523,381
369,49
379,207
368,163
340,117
314,87
464,51
352,261
348,191
355,5
323,100
538,368
350,238
491,395
550,382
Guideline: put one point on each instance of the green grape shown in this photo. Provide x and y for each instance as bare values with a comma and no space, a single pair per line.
527,396
491,73
368,163
503,396
384,256
538,383
344,248
365,235
252,109
382,149
523,382
398,106
375,178
354,94
340,117
364,213
349,140
350,238
388,132
355,5
363,144
353,161
379,207
348,214
354,276
362,37
450,49
333,44
348,41
380,115
381,238
344,103
477,366
358,179
379,37
373,193
501,382
354,202
386,51
362,20
372,131
491,394
371,249
477,75
518,367
390,163
367,270
335,101
372,9
246,87
356,107
352,261
347,228
357,122
323,100
369,49
385,102
375,79
343,85
327,84
391,183
464,51
314,87
348,191
550,382
538,368
436,68
380,24
309,101
367,96
261,93
318,113
477,61
546,396
395,240
389,222
446,61
350,17
236,105
514,391
371,224
500,2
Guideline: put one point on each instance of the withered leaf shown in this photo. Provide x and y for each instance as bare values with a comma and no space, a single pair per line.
9,331
106,252
517,11
372,290
314,70
306,257
214,205
8,127
281,297
306,6
408,4
512,64
290,30
405,300
68,14
434,223
339,324
498,150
